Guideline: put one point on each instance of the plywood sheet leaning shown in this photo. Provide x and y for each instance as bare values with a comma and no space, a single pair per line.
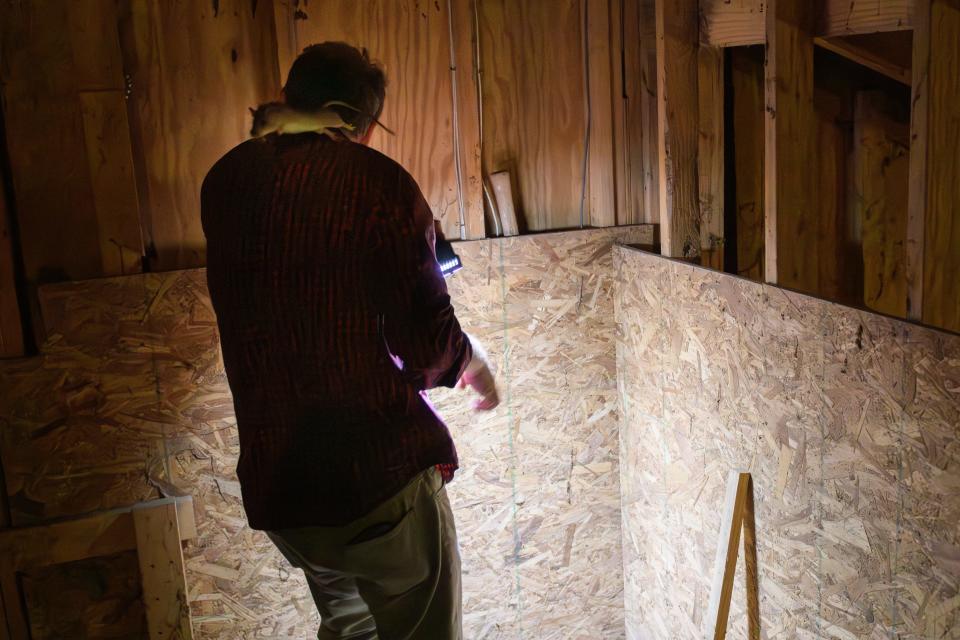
848,422
128,400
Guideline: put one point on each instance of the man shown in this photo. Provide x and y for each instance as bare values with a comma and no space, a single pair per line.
334,318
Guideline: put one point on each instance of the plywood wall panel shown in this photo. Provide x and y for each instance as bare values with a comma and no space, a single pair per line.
45,141
128,400
411,40
195,68
533,96
833,410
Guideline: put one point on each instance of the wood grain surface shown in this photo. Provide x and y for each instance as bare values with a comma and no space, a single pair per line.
195,68
533,96
411,40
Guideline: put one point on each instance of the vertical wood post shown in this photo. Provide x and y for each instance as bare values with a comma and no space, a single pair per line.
790,124
162,572
601,157
933,233
711,155
677,24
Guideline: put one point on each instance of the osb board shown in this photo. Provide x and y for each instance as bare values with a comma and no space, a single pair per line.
128,398
848,422
411,40
93,598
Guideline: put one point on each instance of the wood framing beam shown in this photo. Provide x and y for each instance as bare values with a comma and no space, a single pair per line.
677,132
162,572
933,227
648,112
711,156
867,57
790,223
729,23
601,151
466,106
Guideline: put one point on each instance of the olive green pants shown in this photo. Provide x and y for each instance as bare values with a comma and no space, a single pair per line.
393,574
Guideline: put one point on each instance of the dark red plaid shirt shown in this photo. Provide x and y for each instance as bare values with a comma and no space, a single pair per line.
334,318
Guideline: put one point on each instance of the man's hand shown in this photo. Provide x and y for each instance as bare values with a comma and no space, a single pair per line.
478,377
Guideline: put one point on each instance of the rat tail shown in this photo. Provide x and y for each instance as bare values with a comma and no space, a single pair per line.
338,103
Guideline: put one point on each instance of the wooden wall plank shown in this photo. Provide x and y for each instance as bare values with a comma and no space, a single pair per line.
11,327
828,273
196,68
415,54
48,155
109,156
467,109
603,38
881,167
531,60
933,226
789,186
162,572
748,126
875,56
677,133
710,155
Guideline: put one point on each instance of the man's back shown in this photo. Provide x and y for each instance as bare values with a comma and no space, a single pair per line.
333,318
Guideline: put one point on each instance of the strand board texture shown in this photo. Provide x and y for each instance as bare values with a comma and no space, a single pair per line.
848,422
128,399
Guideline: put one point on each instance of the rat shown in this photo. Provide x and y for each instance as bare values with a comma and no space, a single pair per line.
276,117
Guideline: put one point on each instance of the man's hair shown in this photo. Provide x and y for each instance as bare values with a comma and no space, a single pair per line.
337,71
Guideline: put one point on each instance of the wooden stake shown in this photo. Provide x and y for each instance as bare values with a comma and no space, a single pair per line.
162,572
738,514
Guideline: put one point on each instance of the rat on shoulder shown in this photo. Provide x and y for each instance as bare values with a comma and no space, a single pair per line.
276,117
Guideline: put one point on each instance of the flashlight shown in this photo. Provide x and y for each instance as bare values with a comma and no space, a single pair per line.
448,259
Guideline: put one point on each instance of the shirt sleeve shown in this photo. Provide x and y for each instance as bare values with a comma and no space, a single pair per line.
420,327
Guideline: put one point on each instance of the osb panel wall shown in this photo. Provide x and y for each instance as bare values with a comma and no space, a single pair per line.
128,400
848,422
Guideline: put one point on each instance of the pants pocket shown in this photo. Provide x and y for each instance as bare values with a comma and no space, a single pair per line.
402,558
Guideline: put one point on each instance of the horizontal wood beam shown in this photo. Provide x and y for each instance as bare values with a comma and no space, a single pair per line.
730,23
866,57
98,534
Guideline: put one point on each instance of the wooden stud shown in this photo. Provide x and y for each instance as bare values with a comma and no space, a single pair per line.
790,223
677,131
162,572
747,81
601,189
752,569
710,156
467,108
933,234
629,129
880,182
648,113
